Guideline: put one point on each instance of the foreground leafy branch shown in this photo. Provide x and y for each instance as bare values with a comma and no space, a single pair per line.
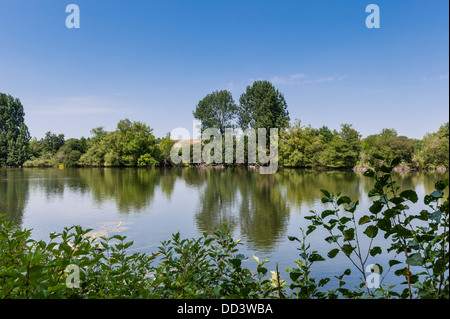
421,238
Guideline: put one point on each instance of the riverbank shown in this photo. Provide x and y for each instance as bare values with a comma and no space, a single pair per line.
358,168
402,168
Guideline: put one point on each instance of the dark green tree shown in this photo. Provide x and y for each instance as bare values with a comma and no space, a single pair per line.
388,145
216,110
72,150
14,135
52,143
263,106
347,146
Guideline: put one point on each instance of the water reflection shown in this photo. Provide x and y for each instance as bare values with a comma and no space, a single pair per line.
132,190
245,199
258,206
14,190
303,186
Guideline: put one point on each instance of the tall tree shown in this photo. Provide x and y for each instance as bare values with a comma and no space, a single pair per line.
216,110
347,146
263,106
14,135
52,142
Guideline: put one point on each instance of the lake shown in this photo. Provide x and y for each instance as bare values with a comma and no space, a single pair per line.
148,205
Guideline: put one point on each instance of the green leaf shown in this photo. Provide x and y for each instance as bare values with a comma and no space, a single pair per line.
240,257
369,173
413,244
326,213
236,262
344,200
217,289
349,234
315,257
376,207
332,239
441,185
352,207
437,194
310,229
391,212
377,156
326,193
363,220
396,161
394,262
333,253
128,244
344,220
415,260
428,199
294,274
67,249
348,249
375,251
374,192
323,282
401,231
410,195
436,216
386,169
371,231
397,200
401,272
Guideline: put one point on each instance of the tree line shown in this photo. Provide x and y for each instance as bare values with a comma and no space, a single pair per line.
133,143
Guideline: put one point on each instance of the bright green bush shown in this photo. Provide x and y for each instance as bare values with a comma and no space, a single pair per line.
207,267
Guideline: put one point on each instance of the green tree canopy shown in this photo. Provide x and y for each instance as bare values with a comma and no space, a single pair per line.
435,150
347,146
132,143
14,135
216,110
52,143
263,106
389,145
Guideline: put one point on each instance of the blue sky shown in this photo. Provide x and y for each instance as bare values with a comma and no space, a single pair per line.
152,61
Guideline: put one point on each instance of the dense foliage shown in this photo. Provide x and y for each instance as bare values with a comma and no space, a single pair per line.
216,110
308,147
260,106
14,135
263,106
211,266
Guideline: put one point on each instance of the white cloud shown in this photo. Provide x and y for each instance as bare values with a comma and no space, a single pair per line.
293,79
301,78
438,78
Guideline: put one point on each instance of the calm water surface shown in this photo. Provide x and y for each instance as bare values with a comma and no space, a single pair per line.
148,205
